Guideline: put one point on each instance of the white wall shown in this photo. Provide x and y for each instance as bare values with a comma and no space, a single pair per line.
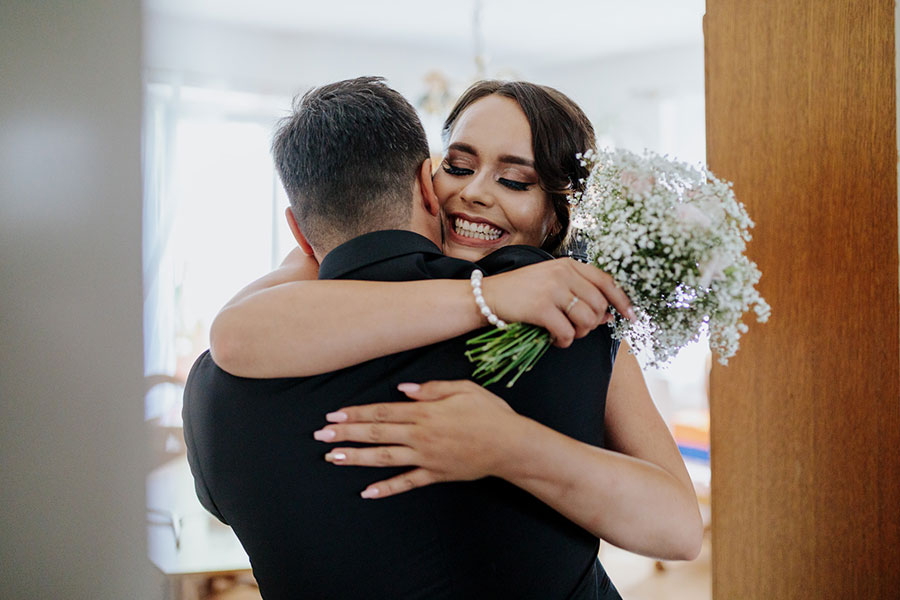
269,62
624,95
72,522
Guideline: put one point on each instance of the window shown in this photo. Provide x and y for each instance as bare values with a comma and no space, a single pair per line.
213,221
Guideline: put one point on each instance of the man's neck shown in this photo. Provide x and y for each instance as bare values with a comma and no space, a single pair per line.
427,226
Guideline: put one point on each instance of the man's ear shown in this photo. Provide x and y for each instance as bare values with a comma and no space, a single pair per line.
298,235
426,185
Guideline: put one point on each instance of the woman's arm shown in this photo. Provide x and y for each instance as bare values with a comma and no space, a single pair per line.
308,327
296,266
283,327
634,427
636,495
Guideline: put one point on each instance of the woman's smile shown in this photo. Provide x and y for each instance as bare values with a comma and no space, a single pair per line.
474,231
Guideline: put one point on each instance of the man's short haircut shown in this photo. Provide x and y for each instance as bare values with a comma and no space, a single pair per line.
348,156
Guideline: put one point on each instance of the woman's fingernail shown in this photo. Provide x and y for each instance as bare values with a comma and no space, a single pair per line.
409,387
323,435
336,417
630,314
369,493
335,456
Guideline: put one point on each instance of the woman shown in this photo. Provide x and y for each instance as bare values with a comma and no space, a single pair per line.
505,179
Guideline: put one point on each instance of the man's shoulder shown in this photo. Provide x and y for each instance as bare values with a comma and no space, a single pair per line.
208,385
203,368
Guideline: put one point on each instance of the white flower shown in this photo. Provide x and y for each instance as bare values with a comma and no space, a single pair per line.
674,237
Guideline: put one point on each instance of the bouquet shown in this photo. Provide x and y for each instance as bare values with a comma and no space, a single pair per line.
673,236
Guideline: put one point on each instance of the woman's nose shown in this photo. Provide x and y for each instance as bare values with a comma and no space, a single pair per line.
478,191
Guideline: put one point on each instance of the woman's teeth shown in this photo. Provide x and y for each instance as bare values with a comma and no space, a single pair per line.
478,231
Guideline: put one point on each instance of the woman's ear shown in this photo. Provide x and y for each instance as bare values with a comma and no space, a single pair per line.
298,235
426,185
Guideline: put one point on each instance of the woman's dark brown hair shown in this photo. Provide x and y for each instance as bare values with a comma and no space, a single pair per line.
559,131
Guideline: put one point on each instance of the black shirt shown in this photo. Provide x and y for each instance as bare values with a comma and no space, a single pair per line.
306,529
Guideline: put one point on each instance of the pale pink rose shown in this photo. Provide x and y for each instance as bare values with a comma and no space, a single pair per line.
637,183
713,270
691,215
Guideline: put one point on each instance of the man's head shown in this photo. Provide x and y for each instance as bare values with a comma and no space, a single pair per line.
351,157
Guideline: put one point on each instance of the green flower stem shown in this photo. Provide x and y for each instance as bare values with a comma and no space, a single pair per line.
498,351
501,346
506,345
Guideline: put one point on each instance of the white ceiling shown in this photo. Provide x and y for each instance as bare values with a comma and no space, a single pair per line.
556,30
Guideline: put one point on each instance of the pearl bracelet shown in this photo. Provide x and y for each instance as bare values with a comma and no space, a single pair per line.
493,319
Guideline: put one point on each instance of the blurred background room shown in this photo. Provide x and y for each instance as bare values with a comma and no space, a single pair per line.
217,77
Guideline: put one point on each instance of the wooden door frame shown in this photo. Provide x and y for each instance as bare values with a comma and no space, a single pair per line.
805,421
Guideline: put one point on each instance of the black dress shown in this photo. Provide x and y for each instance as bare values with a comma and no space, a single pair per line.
307,531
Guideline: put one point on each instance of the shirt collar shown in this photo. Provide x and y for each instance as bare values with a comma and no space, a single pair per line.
371,248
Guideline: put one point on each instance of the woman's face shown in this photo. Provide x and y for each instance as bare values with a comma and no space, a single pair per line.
487,186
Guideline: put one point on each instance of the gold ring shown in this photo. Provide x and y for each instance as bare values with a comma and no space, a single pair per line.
572,303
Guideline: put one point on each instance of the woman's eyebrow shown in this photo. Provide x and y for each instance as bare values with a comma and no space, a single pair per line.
459,146
516,160
506,158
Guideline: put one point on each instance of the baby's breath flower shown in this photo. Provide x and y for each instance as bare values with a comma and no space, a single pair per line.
674,237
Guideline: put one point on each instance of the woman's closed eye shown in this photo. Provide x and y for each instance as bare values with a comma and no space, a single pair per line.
519,186
458,171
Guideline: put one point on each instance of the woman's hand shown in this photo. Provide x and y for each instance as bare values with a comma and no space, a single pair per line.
458,431
545,294
453,432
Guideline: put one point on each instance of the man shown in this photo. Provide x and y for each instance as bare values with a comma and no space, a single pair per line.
354,160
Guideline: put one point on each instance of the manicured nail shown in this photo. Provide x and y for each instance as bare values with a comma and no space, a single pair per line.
369,493
630,314
335,456
409,387
336,417
323,435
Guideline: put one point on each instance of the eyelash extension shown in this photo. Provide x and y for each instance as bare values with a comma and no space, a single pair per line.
450,169
515,185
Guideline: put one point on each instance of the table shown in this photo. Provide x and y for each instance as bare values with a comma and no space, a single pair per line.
186,543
